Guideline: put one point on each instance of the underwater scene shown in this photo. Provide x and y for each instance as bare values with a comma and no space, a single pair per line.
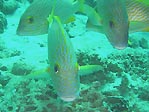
74,55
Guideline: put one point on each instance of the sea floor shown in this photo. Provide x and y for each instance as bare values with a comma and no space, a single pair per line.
122,85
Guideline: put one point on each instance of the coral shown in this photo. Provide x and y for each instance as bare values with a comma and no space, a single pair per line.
95,94
4,80
21,68
3,22
117,104
1,5
143,93
144,43
131,61
9,53
135,42
9,6
30,1
3,68
2,45
5,52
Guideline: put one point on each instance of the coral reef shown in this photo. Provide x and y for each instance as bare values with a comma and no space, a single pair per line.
114,89
142,42
9,6
121,86
21,68
3,22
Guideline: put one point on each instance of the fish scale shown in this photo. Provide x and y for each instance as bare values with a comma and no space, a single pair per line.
137,11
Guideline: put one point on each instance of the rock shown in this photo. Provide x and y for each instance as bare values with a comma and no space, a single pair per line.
3,22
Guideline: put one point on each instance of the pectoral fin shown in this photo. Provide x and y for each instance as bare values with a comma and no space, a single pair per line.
39,74
89,69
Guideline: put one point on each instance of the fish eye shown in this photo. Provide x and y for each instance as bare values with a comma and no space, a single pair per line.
111,24
56,68
30,19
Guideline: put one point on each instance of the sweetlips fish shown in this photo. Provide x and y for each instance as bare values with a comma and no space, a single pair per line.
127,16
63,70
110,18
115,21
62,62
34,19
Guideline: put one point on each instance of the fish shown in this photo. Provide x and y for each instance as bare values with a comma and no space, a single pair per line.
138,15
138,19
143,1
63,69
62,62
137,10
115,21
34,20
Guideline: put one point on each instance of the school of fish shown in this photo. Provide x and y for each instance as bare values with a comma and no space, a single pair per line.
115,22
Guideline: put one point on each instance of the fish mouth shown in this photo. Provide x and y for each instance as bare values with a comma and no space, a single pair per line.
120,43
121,46
70,98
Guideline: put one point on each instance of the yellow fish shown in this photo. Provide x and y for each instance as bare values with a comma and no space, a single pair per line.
138,15
63,69
115,21
116,15
34,19
62,61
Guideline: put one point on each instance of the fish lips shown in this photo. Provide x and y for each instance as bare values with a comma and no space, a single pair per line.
119,42
70,98
121,46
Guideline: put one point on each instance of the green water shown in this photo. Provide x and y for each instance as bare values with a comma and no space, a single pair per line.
121,85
